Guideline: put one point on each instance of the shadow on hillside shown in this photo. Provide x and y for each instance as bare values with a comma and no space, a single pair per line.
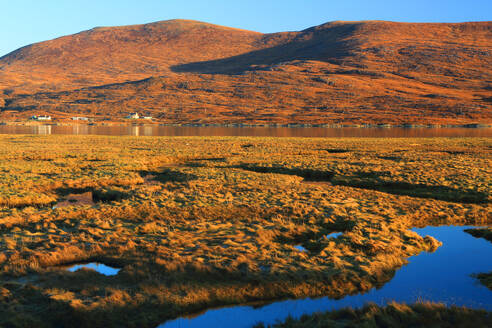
324,44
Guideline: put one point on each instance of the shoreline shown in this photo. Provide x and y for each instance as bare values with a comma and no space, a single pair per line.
243,125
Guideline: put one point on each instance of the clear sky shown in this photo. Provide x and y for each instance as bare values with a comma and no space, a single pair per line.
23,22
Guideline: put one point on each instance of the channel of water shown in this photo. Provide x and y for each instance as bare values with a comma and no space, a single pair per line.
443,276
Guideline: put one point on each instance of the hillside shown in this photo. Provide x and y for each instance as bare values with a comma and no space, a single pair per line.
191,72
115,54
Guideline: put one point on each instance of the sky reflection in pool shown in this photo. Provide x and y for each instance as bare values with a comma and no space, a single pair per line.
300,248
99,267
442,276
334,235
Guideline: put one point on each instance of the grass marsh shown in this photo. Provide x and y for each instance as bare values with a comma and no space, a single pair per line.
199,222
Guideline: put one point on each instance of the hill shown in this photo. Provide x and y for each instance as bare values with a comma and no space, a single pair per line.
192,72
114,54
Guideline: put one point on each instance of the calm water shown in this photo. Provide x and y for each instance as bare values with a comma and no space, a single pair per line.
442,276
99,267
157,130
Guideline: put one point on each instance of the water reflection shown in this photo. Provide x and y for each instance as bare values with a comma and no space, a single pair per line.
42,129
159,130
148,131
134,131
300,248
80,129
334,235
99,267
442,276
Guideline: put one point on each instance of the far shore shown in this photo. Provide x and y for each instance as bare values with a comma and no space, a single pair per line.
56,122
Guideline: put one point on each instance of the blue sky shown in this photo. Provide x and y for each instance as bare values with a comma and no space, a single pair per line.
24,22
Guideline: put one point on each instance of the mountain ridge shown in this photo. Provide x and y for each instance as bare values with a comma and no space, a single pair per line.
434,71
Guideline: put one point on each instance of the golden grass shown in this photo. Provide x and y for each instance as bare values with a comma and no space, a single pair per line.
199,222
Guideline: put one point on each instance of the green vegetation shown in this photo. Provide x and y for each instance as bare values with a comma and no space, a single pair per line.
199,222
394,315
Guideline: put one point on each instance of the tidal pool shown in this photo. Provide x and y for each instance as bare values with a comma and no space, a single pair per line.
443,276
99,267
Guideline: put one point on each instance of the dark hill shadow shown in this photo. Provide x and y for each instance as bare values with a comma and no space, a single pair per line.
325,43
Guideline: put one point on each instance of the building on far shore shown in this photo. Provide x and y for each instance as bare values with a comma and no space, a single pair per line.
41,118
80,118
133,116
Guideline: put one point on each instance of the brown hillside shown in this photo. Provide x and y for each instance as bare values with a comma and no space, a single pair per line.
115,54
339,72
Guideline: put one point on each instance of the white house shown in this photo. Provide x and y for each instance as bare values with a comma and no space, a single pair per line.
80,118
41,118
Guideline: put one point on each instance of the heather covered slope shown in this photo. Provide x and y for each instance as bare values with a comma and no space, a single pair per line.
339,72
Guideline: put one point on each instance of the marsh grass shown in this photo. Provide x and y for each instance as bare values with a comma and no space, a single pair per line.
188,237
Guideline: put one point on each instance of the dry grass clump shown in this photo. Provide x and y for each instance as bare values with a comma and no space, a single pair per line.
191,225
393,315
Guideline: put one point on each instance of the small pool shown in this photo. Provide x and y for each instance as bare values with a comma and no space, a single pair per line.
334,235
442,276
300,248
99,267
